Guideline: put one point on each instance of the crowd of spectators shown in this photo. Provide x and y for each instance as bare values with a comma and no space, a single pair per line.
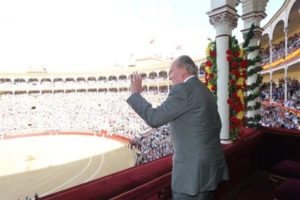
86,112
293,92
278,50
279,113
153,144
278,117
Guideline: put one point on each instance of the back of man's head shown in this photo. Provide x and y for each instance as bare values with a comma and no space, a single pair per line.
186,62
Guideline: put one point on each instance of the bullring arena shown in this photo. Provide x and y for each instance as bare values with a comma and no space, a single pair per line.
50,162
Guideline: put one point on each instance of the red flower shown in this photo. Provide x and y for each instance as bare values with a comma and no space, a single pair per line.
213,88
229,101
232,82
213,53
236,54
234,95
234,72
234,64
208,63
238,107
244,64
234,120
229,52
229,58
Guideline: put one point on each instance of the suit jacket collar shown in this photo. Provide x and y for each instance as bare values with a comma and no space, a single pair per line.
188,78
194,78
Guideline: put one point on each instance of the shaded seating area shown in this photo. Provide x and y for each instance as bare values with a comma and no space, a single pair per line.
286,175
288,190
250,160
280,156
285,169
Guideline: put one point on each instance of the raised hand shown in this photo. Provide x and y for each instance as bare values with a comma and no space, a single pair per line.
136,83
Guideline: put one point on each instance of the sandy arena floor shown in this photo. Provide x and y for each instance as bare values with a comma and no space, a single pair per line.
47,164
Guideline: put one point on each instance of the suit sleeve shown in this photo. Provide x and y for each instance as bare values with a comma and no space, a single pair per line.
174,106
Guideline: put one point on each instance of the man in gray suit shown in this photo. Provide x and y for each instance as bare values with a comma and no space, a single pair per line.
192,113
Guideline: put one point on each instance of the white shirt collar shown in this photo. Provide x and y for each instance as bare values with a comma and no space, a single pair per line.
188,78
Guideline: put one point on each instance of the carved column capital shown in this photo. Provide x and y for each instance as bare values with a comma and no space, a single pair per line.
224,17
224,22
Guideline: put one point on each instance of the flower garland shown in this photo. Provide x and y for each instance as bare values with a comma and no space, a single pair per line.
236,85
238,73
211,67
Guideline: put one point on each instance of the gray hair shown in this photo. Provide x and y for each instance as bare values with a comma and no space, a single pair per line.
188,64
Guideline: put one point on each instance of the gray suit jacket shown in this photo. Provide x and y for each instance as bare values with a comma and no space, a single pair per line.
191,111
